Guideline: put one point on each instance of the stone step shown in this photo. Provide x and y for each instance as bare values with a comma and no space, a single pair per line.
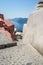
7,45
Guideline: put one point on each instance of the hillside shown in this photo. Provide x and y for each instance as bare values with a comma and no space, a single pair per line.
19,22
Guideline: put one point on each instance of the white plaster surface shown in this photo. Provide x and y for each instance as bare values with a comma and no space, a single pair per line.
34,31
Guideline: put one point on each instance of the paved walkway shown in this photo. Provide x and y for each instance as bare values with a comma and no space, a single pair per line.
20,55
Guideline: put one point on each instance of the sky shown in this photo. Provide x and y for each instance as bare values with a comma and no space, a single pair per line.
17,8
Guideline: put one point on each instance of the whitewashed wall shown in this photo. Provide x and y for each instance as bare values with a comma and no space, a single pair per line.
33,31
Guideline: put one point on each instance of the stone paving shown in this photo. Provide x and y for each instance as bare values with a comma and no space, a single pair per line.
20,55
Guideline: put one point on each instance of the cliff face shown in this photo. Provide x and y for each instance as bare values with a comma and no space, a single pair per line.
33,30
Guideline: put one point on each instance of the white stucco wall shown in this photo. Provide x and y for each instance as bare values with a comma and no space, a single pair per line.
34,30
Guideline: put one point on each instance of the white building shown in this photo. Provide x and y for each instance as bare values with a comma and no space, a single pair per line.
33,30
